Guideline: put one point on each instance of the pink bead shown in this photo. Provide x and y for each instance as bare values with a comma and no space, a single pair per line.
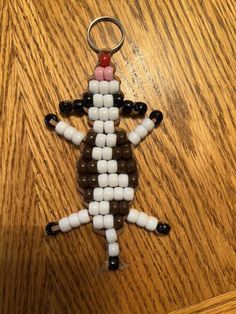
108,73
99,74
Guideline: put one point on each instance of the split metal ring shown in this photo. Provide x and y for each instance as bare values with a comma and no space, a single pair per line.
105,19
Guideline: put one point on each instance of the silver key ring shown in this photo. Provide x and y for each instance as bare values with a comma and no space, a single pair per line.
106,19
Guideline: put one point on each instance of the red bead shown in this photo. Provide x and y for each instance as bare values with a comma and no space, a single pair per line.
105,59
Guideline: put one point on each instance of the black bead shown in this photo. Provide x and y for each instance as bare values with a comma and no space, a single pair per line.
163,228
140,108
113,262
49,230
127,107
156,116
65,107
48,118
118,100
87,100
78,107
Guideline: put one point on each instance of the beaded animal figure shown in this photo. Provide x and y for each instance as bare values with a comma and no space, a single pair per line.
107,171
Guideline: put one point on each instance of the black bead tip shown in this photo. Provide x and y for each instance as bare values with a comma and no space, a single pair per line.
156,116
118,100
49,230
113,262
49,118
163,228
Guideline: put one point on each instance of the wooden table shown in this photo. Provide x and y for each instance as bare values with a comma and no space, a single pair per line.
178,56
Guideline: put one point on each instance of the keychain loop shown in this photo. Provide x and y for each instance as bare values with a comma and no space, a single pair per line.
105,19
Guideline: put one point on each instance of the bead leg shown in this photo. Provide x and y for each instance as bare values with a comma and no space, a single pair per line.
150,223
65,224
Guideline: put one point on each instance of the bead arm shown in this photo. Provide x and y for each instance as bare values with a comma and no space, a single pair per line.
64,129
147,125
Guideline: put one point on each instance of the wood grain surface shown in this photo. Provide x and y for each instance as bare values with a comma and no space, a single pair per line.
178,56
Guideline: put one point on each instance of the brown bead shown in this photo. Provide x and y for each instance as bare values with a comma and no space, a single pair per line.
122,166
116,153
124,208
126,152
87,152
133,180
90,138
81,166
92,166
118,222
83,181
114,207
121,138
131,166
88,195
93,181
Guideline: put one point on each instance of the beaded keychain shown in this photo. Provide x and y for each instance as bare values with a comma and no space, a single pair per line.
107,171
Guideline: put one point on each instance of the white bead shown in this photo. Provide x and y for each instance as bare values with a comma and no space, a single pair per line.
107,153
112,166
111,140
108,221
128,194
141,131
64,224
100,140
132,216
123,180
111,235
108,101
113,180
103,180
97,153
142,219
108,194
93,208
148,124
114,86
84,216
102,166
98,126
104,87
78,138
94,87
60,127
98,222
109,127
98,100
151,223
118,194
74,220
113,249
134,138
113,113
98,194
93,113
104,208
103,114
69,132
